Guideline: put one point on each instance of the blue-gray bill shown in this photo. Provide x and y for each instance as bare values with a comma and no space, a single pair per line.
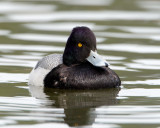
95,59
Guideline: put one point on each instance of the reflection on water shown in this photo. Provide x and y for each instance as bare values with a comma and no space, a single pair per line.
79,105
127,34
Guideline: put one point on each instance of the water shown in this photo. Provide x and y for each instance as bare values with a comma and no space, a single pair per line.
128,37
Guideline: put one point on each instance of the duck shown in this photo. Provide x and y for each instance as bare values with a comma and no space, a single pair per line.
79,67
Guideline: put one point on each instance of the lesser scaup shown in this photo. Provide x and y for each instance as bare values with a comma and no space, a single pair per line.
80,67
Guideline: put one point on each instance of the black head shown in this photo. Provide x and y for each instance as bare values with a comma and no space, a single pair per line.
81,41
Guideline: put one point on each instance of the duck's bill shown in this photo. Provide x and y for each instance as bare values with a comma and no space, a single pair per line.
97,60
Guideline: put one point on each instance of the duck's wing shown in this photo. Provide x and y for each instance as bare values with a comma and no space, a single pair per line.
49,62
43,67
81,76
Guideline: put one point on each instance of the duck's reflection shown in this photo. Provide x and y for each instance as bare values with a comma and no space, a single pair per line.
79,105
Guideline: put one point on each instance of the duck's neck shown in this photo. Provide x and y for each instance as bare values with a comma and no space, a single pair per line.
69,57
68,60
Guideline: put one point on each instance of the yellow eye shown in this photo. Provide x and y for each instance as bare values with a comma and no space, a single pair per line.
79,44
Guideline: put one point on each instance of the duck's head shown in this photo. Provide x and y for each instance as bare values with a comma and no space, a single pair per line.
81,47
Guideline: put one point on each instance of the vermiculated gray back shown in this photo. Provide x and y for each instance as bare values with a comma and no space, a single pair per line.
50,61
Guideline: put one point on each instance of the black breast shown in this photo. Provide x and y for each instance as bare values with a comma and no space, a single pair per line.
81,76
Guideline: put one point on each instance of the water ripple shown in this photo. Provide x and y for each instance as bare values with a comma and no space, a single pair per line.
4,32
153,36
85,16
63,26
89,2
144,82
137,92
44,37
133,48
150,5
13,77
15,7
40,48
47,125
143,31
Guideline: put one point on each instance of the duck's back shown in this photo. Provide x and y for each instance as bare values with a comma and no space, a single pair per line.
43,67
81,76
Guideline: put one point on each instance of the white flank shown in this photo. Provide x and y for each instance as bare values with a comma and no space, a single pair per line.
37,76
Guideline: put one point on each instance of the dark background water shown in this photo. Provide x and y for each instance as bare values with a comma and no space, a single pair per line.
127,34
